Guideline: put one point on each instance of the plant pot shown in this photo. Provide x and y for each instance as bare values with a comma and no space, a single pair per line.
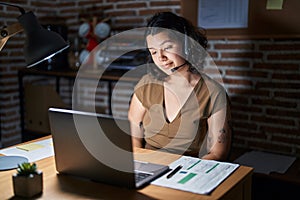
28,186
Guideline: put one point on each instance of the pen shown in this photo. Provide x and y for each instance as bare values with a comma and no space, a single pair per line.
174,171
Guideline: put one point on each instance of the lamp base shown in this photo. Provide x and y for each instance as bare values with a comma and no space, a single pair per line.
11,162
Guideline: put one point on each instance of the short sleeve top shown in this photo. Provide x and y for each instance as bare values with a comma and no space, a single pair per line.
188,131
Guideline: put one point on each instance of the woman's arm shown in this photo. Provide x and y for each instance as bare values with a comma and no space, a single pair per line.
219,135
135,115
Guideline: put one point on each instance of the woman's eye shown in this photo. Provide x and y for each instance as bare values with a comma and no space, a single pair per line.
153,52
168,48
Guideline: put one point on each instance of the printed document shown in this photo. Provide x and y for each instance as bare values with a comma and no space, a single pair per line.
223,14
32,151
196,175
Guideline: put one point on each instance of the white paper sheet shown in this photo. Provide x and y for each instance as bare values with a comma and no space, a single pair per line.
196,175
38,150
223,14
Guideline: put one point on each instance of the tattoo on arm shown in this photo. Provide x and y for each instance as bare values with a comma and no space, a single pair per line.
209,141
222,136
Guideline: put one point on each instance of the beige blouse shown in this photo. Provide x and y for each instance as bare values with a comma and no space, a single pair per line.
187,133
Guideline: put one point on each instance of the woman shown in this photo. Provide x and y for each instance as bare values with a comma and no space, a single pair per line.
177,108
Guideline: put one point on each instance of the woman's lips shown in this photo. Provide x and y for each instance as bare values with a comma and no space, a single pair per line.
167,65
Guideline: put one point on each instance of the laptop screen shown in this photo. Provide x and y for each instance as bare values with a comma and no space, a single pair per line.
93,146
97,147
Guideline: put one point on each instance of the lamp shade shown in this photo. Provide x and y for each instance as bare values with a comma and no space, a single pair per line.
40,44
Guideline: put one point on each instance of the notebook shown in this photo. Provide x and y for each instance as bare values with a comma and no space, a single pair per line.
98,147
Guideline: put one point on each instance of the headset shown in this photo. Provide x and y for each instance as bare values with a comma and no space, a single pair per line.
186,51
186,43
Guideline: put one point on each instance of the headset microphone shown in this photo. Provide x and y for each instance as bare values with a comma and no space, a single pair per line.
176,68
186,51
186,43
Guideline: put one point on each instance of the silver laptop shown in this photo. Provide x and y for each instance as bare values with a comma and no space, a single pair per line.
98,147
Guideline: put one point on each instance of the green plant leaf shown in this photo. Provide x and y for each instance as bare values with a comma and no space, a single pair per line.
26,168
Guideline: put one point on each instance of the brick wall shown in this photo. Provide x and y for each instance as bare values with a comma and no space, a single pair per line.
263,79
260,75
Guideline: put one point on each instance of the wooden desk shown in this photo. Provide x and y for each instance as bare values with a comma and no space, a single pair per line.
237,186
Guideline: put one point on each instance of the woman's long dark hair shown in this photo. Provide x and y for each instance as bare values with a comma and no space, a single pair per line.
168,20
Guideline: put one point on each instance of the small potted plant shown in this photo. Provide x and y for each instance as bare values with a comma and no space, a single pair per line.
28,181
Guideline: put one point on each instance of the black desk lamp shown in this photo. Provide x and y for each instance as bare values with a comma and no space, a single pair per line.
40,44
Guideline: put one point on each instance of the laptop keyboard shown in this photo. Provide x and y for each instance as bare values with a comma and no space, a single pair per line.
140,176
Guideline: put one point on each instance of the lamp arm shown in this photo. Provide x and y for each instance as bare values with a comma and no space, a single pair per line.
12,5
40,44
8,32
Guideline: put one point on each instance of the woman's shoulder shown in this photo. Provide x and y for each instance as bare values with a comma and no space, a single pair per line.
147,79
217,91
146,87
212,84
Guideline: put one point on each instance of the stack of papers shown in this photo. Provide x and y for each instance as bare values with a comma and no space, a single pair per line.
32,151
196,175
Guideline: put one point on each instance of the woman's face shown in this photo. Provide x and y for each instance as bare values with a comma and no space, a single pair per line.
165,51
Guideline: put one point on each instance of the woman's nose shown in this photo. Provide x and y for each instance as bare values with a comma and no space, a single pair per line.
161,55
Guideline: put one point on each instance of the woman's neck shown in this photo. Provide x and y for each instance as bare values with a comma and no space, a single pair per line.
183,77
